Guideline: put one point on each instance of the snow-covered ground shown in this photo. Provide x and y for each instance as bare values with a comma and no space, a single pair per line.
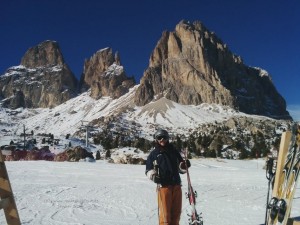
68,193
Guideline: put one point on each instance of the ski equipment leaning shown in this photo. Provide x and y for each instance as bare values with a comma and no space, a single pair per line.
194,217
287,174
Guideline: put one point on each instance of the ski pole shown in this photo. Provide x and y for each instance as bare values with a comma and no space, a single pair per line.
159,199
269,175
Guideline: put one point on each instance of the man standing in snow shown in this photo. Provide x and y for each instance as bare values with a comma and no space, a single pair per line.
163,166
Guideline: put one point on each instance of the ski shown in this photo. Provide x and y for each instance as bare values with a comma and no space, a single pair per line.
7,200
270,172
284,179
286,201
191,194
282,155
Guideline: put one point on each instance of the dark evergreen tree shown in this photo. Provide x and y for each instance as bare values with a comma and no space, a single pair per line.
115,143
178,143
243,153
147,147
239,146
139,143
107,143
98,155
210,153
107,154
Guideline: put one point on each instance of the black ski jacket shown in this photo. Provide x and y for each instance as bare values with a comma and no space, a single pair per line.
168,159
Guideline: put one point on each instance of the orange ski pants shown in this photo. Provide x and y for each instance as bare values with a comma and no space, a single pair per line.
170,203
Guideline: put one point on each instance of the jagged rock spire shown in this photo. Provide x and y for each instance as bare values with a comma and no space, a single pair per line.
45,54
191,65
105,75
43,80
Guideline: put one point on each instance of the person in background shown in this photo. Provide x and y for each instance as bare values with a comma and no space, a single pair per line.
163,166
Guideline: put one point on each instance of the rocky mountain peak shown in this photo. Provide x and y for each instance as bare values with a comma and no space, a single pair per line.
43,80
105,75
45,54
191,65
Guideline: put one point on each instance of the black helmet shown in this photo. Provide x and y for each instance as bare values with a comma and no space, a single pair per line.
160,133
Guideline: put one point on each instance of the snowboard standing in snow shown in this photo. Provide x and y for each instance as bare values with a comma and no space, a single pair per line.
287,173
195,218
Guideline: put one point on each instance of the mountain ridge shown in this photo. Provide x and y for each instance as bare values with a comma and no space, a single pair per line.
206,127
152,100
191,65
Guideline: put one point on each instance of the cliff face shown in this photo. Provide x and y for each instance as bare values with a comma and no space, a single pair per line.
42,80
105,75
191,65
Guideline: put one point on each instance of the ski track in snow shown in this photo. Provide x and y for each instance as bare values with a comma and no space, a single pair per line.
230,192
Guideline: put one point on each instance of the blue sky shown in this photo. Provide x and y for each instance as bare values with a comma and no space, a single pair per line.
265,33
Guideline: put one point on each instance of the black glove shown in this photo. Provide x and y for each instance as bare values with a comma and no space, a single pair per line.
156,179
153,175
188,163
185,164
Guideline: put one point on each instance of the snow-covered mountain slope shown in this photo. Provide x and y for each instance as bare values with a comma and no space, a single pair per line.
68,117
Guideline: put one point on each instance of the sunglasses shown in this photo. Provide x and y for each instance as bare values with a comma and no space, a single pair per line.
160,138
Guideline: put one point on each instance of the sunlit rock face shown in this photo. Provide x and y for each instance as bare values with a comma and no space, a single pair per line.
191,65
105,75
43,79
